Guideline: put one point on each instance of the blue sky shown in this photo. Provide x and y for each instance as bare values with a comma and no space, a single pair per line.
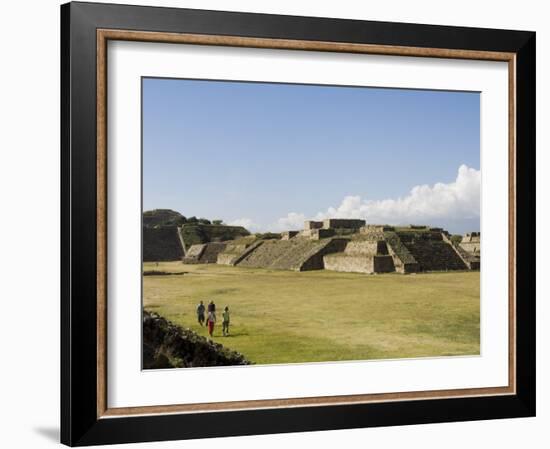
267,155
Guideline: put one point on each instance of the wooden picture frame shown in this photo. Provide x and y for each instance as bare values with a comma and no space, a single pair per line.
86,29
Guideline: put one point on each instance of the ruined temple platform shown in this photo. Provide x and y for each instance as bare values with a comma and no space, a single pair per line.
347,246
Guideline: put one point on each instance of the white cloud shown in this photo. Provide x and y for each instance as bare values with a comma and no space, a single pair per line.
293,221
456,200
245,223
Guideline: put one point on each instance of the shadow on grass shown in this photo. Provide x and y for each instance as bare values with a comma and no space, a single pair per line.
236,334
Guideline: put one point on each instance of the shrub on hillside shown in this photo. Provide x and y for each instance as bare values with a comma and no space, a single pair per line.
456,239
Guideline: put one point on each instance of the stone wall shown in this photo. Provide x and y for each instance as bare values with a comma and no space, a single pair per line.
368,229
287,235
169,243
314,259
366,247
166,345
204,253
361,256
346,223
311,224
359,263
318,234
471,243
161,243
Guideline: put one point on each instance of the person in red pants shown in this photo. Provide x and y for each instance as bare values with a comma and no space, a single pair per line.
211,320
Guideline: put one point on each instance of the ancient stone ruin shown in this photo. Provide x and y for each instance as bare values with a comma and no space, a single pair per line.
350,245
297,254
168,236
204,252
470,249
162,243
237,250
361,256
471,243
337,244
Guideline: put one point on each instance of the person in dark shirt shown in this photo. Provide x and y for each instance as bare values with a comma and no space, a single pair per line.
200,313
211,306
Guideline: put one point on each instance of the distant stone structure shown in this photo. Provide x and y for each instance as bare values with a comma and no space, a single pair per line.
167,235
361,256
297,254
287,235
237,250
311,224
323,233
369,229
346,245
204,253
471,242
162,243
469,250
343,223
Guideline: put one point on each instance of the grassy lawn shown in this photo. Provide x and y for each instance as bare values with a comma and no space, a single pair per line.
285,316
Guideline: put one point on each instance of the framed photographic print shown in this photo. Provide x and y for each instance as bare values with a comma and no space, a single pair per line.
274,224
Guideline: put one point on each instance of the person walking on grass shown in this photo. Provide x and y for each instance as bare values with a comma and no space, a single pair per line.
211,307
225,323
200,313
211,320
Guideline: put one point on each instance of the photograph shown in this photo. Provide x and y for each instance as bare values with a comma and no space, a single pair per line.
300,223
271,223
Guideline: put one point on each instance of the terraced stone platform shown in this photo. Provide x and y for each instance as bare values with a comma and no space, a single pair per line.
340,244
161,243
237,250
204,253
297,254
431,252
361,256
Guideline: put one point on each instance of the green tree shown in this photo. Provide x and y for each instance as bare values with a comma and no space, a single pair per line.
456,239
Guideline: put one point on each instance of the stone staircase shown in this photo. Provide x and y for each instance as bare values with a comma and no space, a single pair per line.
472,261
210,253
234,252
298,254
194,253
403,260
432,253
204,253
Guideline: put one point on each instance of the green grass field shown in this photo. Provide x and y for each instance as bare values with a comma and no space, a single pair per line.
285,317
